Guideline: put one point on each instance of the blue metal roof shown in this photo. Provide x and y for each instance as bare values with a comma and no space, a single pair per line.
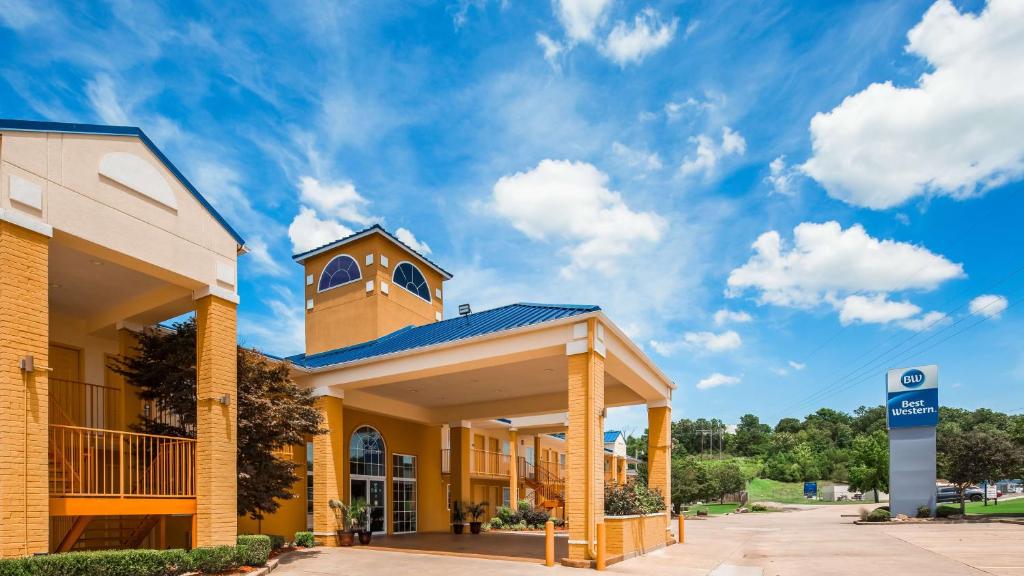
451,330
611,435
300,257
102,129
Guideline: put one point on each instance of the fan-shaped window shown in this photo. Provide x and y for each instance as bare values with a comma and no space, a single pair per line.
340,270
409,277
366,452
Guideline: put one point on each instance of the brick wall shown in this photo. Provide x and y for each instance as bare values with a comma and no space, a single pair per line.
584,502
216,424
328,468
24,330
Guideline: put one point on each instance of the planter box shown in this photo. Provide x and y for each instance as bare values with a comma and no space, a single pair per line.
629,536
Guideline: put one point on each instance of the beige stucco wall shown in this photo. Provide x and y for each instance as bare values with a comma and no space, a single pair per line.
184,245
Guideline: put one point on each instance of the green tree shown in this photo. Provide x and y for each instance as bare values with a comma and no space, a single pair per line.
788,425
273,412
867,420
971,457
869,463
689,481
751,436
727,478
636,446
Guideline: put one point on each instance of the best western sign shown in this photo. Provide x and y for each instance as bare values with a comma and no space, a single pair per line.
913,397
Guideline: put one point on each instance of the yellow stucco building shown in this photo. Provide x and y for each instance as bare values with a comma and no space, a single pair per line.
100,236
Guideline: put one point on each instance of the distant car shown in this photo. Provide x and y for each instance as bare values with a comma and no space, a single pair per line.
950,494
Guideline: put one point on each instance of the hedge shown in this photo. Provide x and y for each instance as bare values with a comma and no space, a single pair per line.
254,549
250,551
305,539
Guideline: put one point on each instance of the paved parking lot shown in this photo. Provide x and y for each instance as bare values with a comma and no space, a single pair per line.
807,542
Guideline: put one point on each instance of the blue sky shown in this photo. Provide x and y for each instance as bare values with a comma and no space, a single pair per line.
777,200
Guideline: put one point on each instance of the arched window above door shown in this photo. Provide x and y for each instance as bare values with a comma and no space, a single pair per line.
366,452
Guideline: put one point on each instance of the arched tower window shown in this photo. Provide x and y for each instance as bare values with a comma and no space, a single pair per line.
409,277
340,270
366,452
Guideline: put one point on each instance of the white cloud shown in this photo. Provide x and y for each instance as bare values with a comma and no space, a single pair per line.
570,201
956,133
797,365
335,200
581,17
717,379
988,305
926,322
264,262
779,371
281,330
648,34
827,263
308,231
701,342
780,177
634,158
709,153
19,15
406,237
724,316
877,309
104,100
553,49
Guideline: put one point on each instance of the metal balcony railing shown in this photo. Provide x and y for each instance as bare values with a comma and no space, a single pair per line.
93,462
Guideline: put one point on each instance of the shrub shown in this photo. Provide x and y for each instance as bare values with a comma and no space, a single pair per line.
508,516
305,539
924,512
495,523
632,499
106,562
276,541
214,558
253,550
878,515
758,507
559,522
533,517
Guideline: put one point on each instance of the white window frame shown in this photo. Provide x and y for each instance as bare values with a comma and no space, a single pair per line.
321,277
425,281
416,491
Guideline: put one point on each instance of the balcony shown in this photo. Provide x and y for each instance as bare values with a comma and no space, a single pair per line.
482,463
97,469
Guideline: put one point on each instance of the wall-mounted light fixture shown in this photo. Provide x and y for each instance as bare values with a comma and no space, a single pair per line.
225,399
28,364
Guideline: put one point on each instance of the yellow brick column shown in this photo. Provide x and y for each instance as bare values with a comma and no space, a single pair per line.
537,473
24,416
621,472
513,469
584,488
216,520
329,467
459,454
659,449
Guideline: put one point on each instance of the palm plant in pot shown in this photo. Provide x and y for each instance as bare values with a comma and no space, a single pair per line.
345,536
476,510
458,517
359,513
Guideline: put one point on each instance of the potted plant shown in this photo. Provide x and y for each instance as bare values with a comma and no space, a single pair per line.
476,510
344,535
359,514
458,517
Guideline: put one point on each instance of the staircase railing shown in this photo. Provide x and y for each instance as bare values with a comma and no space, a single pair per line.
82,404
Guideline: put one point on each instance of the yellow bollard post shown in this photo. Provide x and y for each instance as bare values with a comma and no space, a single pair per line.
549,543
679,537
600,546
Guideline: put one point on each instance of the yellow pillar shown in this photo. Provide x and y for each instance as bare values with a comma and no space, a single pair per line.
513,469
537,464
585,441
329,468
659,450
459,461
216,422
621,472
24,416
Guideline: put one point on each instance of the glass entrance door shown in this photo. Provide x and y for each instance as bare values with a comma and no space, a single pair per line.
371,491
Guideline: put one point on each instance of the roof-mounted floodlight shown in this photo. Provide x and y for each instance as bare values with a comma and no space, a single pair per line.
464,310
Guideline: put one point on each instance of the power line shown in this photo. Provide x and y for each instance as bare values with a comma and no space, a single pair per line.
911,354
821,393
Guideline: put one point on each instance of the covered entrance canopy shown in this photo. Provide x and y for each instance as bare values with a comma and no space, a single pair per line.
546,368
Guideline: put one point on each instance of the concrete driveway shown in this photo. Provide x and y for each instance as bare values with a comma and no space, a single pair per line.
806,542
